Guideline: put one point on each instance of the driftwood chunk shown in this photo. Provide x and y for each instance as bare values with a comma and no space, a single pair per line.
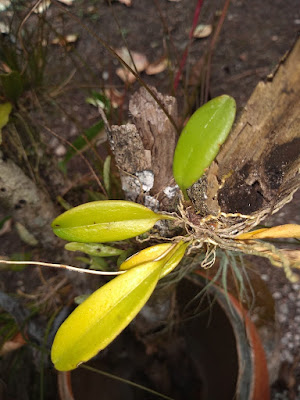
157,133
258,168
144,150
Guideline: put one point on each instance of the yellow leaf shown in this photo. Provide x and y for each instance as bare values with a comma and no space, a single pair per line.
281,231
103,315
164,251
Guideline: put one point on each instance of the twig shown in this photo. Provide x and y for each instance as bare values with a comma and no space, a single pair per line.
80,155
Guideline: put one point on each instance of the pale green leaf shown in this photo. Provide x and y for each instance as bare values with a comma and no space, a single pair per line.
99,263
105,221
94,249
105,313
25,235
201,139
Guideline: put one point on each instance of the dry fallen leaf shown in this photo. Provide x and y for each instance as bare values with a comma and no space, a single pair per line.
125,75
157,67
115,97
67,2
140,62
64,40
42,7
15,343
4,27
202,31
127,3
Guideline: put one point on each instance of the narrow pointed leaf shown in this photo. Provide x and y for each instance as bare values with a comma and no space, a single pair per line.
105,221
201,138
5,110
100,318
106,173
94,249
172,258
148,254
281,231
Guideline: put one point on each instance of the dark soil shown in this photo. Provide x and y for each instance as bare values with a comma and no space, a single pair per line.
254,37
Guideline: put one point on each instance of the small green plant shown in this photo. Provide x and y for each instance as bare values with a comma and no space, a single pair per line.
104,314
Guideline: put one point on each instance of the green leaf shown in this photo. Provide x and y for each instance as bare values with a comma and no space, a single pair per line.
105,221
12,85
81,298
94,249
201,139
63,203
172,256
5,110
99,100
99,319
122,257
106,173
98,263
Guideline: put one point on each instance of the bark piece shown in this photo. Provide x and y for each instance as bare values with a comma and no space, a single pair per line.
144,150
258,168
157,133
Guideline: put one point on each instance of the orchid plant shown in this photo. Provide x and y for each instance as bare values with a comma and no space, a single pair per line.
105,313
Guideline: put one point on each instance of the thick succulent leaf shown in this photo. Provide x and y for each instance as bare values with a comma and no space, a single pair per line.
94,249
100,318
173,255
281,231
105,221
201,138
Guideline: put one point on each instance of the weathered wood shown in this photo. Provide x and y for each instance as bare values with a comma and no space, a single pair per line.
258,168
144,150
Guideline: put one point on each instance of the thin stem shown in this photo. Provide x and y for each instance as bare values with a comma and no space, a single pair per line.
80,155
185,54
128,382
63,266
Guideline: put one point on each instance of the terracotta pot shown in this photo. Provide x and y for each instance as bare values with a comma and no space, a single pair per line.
253,376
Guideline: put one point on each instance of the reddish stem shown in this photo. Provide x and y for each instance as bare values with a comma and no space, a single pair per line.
185,54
